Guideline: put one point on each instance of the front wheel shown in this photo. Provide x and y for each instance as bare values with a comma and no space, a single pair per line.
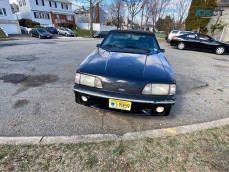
220,50
181,46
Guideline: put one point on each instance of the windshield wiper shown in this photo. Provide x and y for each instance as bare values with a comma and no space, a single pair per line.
111,46
134,47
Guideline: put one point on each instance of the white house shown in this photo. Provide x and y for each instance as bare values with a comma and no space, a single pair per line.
100,17
83,15
7,19
47,12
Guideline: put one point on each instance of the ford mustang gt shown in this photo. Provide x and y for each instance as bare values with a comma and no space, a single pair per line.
127,72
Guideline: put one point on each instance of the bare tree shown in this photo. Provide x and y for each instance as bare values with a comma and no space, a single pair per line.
117,12
134,7
150,13
182,9
92,4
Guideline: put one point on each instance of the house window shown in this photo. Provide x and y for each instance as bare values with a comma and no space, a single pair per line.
69,18
23,2
2,12
40,2
64,6
20,3
52,4
39,15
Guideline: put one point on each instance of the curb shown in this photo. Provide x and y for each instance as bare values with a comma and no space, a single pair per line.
112,137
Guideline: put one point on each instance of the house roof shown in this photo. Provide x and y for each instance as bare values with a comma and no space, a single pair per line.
62,12
81,11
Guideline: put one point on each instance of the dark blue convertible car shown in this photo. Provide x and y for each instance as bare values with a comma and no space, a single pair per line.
127,72
51,30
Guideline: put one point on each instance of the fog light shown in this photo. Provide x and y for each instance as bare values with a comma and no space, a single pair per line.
160,109
84,98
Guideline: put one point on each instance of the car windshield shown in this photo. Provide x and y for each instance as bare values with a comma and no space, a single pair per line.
175,31
67,29
131,42
183,33
41,30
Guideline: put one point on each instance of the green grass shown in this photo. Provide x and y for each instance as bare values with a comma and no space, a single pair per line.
82,32
206,150
2,35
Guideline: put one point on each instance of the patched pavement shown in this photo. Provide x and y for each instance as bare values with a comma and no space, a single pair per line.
36,87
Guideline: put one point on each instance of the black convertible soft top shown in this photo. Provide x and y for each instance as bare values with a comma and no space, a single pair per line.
132,31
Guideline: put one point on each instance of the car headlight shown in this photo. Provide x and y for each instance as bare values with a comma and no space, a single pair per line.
88,80
159,89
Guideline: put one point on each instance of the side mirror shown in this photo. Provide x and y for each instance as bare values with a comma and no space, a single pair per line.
162,50
98,45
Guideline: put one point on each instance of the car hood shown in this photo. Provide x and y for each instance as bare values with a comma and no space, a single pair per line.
70,32
125,66
223,43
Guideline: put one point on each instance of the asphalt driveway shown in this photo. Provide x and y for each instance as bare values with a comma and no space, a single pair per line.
36,88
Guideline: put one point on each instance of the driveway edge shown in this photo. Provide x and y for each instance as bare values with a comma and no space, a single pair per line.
112,137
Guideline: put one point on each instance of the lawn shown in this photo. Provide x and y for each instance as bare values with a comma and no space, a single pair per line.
207,150
82,32
2,34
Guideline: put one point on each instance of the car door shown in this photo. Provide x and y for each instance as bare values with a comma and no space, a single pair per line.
191,40
35,32
206,42
61,30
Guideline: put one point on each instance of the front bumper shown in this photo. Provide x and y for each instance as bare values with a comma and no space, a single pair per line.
71,34
46,37
98,98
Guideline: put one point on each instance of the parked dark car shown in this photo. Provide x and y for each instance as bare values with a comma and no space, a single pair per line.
128,73
52,30
101,34
40,33
200,42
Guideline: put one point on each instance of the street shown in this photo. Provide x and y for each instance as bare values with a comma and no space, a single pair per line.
37,99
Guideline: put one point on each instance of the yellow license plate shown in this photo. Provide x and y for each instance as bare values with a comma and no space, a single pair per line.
119,104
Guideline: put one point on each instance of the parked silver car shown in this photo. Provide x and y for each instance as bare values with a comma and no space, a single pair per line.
174,33
65,31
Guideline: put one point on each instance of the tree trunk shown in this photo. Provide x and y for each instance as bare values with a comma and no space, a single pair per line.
91,18
132,22
118,18
142,16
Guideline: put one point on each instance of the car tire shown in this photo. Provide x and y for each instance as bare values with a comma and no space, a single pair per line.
181,46
220,50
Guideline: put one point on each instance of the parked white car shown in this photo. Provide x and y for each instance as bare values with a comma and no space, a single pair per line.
177,33
65,31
